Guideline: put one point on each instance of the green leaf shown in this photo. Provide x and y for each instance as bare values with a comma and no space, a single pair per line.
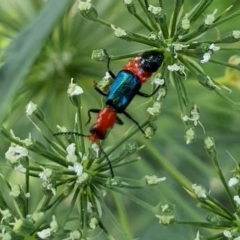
24,49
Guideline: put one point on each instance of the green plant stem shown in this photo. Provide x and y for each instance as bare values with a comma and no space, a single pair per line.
135,199
151,20
143,22
200,224
220,174
122,235
27,182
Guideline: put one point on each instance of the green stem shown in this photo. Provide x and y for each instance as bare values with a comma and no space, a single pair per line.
170,168
134,199
122,234
143,22
80,125
177,10
201,224
147,13
125,138
27,187
219,171
225,19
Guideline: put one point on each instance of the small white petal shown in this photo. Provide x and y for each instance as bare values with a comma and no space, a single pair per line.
71,149
210,18
153,180
233,181
74,89
185,22
199,191
237,199
44,233
118,32
20,168
15,190
77,168
227,234
84,6
213,47
154,10
236,34
206,57
31,107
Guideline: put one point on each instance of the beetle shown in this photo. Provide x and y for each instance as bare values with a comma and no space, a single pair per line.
125,87
127,83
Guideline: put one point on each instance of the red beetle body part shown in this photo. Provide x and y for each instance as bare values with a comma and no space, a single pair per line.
105,120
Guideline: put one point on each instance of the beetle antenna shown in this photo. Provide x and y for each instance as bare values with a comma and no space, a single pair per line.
70,134
109,162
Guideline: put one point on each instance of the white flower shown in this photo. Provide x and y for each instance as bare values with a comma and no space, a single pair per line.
36,216
210,18
54,224
15,191
199,191
236,34
227,234
189,135
153,36
233,181
158,80
93,223
46,174
194,116
155,109
149,132
15,152
62,129
5,235
128,2
27,195
154,180
71,149
236,198
197,236
74,235
45,233
50,187
77,168
118,32
185,22
82,178
31,107
208,142
84,6
161,93
20,168
206,57
164,219
71,157
154,10
177,68
82,156
214,48
74,89
178,46
95,148
5,214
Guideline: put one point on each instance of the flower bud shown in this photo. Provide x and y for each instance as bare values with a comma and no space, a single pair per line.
87,10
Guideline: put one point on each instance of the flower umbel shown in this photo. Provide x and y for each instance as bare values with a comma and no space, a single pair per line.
68,172
186,48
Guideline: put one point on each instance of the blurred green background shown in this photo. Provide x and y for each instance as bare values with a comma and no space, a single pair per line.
42,60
